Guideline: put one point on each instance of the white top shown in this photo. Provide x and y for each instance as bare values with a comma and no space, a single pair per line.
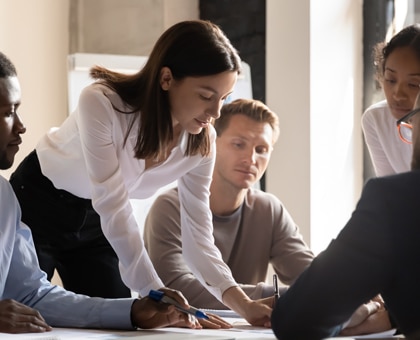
86,157
389,154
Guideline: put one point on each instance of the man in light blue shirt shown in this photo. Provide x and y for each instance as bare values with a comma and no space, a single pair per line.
28,301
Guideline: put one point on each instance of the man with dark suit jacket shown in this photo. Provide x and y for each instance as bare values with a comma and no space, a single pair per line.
377,252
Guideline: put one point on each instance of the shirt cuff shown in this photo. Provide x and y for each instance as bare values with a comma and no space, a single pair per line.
117,314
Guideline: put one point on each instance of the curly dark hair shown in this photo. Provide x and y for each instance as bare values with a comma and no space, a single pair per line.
7,69
408,36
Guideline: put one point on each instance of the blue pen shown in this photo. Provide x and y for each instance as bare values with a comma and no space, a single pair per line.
157,295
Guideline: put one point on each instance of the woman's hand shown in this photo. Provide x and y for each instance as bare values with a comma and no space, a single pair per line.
214,322
256,312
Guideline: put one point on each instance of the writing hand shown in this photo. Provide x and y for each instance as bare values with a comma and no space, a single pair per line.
15,317
256,312
147,313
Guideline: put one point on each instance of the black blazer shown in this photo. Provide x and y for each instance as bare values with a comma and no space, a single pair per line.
377,252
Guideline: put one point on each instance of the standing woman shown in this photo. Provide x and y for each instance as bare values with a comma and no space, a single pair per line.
129,136
398,71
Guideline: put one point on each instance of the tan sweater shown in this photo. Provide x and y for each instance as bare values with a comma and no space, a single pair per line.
258,233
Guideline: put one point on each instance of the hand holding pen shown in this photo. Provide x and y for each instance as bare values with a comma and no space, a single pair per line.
206,320
158,295
147,314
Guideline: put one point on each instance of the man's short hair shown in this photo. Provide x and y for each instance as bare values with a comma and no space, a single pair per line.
7,69
251,108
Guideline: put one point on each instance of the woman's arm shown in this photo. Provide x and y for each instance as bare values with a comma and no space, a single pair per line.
102,136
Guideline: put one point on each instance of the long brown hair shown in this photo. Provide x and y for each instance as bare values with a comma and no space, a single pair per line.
191,48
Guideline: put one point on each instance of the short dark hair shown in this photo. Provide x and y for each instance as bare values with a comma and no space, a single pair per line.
251,108
408,36
7,69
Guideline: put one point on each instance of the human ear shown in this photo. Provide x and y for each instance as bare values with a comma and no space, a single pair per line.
165,78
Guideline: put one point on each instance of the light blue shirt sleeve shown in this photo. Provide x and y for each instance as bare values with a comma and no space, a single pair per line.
21,279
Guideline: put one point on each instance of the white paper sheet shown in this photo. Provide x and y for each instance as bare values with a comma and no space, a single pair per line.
382,335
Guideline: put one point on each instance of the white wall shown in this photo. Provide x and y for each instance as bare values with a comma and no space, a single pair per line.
314,83
129,27
34,35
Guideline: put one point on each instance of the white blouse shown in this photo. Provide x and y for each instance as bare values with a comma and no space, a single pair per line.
86,157
389,154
